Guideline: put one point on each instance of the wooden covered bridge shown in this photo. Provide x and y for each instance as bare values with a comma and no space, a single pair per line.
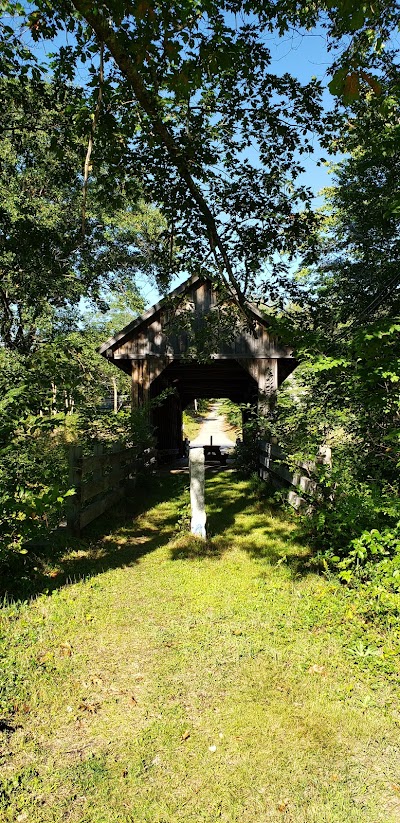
197,344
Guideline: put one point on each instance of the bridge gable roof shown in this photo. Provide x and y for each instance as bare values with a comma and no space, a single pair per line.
145,335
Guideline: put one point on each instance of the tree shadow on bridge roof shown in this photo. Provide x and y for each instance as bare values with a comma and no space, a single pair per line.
238,517
145,520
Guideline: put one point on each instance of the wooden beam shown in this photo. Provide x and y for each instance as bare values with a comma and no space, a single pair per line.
144,372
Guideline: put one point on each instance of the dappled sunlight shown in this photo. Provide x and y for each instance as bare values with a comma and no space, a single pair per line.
270,539
191,547
143,521
157,514
177,666
238,519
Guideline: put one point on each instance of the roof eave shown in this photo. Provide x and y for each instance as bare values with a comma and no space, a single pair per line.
151,312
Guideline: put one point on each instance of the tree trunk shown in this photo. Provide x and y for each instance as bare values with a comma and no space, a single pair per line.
115,395
150,104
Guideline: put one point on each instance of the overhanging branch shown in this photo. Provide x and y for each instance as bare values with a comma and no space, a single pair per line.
110,38
94,122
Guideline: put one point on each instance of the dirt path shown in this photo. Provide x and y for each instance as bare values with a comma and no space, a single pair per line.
213,426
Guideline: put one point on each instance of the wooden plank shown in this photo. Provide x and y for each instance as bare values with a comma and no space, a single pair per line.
106,483
103,474
93,488
280,474
267,461
305,483
275,451
75,481
296,501
90,463
99,507
271,448
118,471
282,471
102,485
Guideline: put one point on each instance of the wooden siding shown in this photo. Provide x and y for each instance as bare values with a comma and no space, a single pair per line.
99,480
151,337
154,350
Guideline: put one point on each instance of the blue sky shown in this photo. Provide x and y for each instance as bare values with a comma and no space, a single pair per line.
304,55
301,54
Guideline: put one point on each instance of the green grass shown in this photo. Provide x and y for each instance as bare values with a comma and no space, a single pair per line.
193,421
191,424
179,681
233,415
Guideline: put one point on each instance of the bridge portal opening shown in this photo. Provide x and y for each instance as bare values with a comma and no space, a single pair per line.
181,383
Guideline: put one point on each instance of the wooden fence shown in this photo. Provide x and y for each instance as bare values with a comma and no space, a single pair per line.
300,484
100,480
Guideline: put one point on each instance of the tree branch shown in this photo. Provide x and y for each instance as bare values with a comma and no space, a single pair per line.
107,35
94,122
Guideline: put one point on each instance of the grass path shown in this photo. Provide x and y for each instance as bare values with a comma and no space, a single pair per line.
186,682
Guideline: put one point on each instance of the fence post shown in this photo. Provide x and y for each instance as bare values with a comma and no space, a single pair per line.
75,481
197,471
325,456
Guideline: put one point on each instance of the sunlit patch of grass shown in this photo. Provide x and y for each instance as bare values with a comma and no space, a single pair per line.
190,680
192,422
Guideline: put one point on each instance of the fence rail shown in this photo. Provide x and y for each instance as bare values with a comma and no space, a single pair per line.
273,467
100,480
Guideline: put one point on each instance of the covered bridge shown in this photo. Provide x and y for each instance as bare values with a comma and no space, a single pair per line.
197,344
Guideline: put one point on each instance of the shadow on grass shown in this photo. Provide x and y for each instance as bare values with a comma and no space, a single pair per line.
238,515
119,538
149,517
189,547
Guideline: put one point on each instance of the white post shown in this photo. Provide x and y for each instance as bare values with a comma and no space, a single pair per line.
196,466
325,456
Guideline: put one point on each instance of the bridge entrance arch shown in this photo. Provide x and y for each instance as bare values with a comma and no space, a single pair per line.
195,344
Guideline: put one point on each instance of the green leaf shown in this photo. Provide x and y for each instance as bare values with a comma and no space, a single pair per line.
336,85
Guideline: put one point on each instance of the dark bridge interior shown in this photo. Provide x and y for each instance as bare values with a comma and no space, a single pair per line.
190,380
218,378
247,368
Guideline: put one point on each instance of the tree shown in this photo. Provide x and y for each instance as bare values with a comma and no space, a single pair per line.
217,136
48,364
196,96
47,264
182,98
361,247
196,92
347,388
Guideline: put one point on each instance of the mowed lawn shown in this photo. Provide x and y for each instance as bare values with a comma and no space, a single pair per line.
161,679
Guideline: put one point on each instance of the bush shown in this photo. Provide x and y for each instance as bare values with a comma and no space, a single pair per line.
339,525
246,454
373,555
34,466
33,480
